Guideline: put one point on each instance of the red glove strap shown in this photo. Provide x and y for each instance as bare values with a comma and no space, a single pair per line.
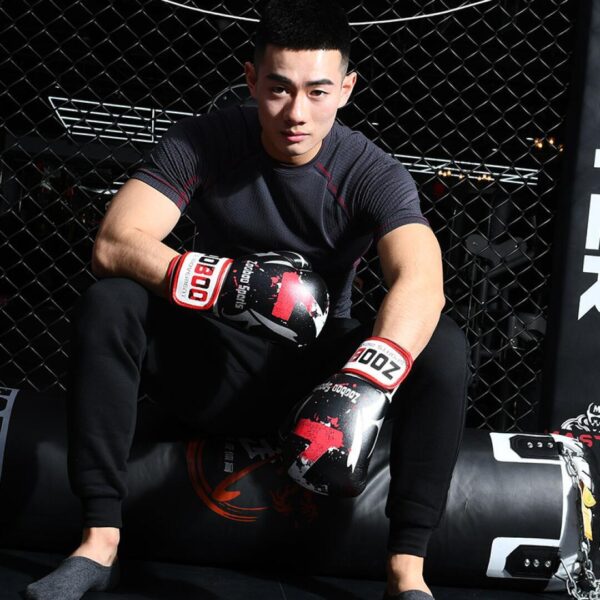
380,361
171,268
196,278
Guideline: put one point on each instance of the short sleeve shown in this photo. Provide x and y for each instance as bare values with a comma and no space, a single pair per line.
387,195
174,166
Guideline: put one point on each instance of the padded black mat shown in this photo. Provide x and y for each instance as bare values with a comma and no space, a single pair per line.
162,581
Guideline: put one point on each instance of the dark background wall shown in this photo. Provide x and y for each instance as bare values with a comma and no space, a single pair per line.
472,102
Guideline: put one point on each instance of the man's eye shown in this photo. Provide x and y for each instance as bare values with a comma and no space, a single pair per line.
278,89
318,93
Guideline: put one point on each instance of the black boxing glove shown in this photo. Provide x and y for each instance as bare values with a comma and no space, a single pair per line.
333,431
274,295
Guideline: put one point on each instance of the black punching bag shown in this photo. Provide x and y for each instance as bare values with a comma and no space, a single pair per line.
512,509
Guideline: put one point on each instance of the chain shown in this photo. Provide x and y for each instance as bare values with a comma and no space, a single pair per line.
581,581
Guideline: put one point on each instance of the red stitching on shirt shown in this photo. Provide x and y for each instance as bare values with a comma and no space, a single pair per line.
323,170
183,200
331,186
189,183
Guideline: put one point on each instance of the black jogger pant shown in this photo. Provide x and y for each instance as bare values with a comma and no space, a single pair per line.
222,381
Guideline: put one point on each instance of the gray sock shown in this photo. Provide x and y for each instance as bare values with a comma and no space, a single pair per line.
72,579
409,595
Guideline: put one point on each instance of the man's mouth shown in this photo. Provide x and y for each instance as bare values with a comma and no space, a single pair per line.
294,136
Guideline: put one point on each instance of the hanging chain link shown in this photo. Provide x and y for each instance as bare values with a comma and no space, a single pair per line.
581,582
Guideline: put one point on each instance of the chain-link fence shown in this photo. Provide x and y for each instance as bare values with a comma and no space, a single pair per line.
471,101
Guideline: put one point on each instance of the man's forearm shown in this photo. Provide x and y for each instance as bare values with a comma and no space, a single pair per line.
133,254
409,314
128,243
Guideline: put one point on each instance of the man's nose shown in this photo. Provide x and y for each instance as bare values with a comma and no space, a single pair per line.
296,109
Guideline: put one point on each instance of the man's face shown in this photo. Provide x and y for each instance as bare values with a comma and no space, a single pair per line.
298,94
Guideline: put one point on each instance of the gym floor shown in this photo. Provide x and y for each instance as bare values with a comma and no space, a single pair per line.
162,581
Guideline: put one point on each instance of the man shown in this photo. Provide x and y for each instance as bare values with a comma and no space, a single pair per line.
283,176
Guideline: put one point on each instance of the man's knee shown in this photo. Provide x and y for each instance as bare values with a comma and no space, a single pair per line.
446,355
107,297
110,303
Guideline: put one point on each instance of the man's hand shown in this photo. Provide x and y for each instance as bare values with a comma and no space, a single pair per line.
274,295
334,430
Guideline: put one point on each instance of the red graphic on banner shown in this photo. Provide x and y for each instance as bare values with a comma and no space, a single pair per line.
588,439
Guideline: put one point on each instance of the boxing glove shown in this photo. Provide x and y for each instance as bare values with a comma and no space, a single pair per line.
275,295
332,432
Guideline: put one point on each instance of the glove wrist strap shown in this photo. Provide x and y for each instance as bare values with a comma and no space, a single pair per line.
380,361
196,278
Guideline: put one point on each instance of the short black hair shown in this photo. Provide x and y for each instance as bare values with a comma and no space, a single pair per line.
303,25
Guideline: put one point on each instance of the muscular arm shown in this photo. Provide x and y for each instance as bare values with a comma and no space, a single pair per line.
129,241
412,267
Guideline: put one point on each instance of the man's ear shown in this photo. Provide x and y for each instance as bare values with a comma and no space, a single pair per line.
250,73
348,84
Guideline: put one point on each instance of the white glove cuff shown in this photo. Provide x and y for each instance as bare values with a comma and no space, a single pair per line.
380,361
197,279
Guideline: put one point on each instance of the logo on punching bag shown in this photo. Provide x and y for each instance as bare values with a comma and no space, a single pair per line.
242,480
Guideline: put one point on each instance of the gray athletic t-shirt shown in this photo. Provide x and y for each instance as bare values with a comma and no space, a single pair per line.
330,209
